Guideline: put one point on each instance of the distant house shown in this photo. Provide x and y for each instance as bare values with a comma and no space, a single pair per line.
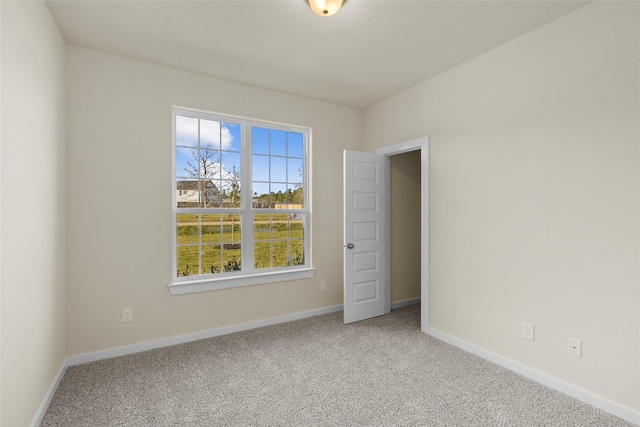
187,194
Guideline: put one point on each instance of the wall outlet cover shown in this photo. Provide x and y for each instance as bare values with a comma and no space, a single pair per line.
574,347
528,331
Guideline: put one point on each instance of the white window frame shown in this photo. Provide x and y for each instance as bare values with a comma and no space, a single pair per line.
249,275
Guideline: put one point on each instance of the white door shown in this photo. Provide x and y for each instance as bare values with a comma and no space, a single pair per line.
365,235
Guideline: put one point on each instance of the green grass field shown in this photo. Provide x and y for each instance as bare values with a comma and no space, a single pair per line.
214,240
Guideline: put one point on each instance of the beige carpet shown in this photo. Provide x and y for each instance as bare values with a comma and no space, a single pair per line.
312,372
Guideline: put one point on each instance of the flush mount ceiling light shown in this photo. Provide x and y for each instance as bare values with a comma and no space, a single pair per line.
325,7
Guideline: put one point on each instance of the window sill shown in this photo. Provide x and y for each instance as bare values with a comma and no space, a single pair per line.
211,284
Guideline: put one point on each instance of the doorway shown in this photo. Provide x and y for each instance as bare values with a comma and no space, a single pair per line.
367,246
421,145
404,228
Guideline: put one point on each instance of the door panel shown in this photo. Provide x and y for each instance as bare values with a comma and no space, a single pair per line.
365,237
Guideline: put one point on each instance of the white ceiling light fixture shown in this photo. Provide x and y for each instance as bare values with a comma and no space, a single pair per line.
325,7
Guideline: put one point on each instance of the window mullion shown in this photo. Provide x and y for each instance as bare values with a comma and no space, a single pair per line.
200,204
247,217
200,244
306,188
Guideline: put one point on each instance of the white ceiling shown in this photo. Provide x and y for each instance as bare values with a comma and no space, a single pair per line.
369,51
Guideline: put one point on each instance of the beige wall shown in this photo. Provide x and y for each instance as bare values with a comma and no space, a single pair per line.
119,240
534,181
33,209
534,194
405,226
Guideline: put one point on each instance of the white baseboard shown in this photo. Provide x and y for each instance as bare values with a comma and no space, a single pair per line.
37,419
181,339
150,345
582,395
405,303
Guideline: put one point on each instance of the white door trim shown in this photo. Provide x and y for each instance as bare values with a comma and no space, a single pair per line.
421,144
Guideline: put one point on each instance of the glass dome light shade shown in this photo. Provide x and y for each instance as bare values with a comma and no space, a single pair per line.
325,7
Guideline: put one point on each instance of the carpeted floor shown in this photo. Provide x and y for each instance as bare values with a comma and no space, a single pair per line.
312,372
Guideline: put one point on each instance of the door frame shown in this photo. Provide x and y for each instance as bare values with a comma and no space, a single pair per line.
421,144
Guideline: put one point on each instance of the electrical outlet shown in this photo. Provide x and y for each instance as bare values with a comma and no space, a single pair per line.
127,315
574,347
528,331
323,285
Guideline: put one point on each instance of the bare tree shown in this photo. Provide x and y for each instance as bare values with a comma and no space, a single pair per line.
205,166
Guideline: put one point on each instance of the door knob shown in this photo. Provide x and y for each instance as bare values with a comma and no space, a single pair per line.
350,246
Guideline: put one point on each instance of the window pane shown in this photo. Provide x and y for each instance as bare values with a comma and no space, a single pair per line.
209,164
235,220
186,131
231,230
294,170
210,194
296,252
280,253
231,259
278,169
226,138
261,227
278,143
279,226
186,229
279,196
296,226
233,132
187,194
295,196
231,164
231,179
231,194
294,144
210,226
210,134
186,166
262,254
259,140
260,168
187,258
211,259
260,195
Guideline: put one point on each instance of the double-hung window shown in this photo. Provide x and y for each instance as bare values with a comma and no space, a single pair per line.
240,202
